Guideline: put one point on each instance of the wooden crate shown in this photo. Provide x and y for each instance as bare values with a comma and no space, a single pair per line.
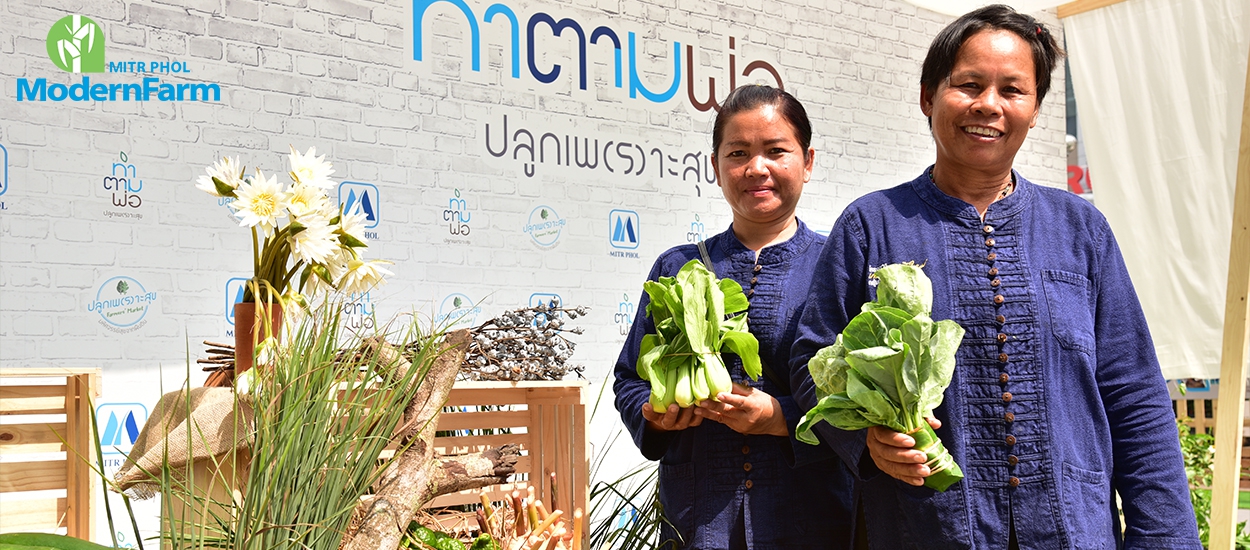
47,487
548,420
1200,415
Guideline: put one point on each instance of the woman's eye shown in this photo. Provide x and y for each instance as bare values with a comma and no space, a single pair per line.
734,154
776,151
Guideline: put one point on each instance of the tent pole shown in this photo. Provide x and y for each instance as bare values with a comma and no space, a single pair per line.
1231,414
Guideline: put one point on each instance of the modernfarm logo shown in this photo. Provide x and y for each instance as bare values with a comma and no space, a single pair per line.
595,44
122,303
76,45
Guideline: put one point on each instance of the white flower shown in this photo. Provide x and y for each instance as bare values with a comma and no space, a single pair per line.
353,225
316,241
227,170
335,266
362,276
260,202
307,199
308,169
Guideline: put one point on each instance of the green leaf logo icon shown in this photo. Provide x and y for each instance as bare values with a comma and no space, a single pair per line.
76,45
543,213
457,301
122,287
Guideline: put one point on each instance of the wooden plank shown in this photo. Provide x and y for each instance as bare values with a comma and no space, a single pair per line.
496,493
581,466
475,443
78,455
31,438
485,396
480,420
36,515
565,471
1228,433
43,475
34,399
550,453
1082,6
45,372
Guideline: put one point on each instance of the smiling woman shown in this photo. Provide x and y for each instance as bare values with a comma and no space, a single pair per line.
1057,401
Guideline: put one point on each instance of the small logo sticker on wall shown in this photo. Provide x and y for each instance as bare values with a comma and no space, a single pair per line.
124,184
120,423
4,172
623,227
234,294
457,216
544,226
360,198
122,303
457,311
697,232
624,316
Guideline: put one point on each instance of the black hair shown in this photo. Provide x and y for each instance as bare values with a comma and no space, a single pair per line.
944,50
754,96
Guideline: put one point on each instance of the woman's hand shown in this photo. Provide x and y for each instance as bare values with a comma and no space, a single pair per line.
746,410
671,420
893,453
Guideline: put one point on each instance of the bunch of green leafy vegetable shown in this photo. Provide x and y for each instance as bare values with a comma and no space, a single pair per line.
889,367
696,316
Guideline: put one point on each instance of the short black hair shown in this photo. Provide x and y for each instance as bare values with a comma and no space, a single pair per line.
944,50
754,96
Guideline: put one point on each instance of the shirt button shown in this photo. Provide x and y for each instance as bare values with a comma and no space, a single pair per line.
746,449
751,292
998,299
1014,481
996,282
989,241
746,467
1002,358
992,256
1006,395
1012,460
1002,338
757,268
1011,440
1003,378
1001,319
993,272
988,229
748,484
754,280
1010,417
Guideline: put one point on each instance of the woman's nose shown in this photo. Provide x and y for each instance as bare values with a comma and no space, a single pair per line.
989,102
755,166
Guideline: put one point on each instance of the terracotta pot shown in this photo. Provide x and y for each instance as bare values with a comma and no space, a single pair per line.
250,329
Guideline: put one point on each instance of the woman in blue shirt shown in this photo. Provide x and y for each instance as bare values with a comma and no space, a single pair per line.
1057,402
732,476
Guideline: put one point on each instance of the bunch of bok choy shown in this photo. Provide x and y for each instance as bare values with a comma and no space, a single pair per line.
889,367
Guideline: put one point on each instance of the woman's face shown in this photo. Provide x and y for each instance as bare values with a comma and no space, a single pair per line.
982,113
761,166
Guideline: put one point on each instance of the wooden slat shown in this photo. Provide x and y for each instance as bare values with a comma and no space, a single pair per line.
484,396
1228,432
32,476
479,420
31,438
474,443
41,399
581,468
1082,6
37,515
495,492
78,455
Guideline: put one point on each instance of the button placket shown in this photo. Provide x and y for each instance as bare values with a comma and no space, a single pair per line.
1001,338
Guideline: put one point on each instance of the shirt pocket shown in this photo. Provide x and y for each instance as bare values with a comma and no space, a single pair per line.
1071,320
677,486
1087,508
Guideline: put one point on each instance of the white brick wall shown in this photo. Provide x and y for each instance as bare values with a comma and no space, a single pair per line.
338,75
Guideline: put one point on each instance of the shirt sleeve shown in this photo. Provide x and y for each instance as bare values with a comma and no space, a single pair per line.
631,390
835,296
1149,470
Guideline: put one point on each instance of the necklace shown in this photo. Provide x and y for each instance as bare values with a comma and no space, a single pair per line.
1008,188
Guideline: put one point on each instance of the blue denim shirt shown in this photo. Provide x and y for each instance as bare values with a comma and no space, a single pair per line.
1057,398
791,494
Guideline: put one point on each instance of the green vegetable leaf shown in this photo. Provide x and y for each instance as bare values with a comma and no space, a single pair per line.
747,347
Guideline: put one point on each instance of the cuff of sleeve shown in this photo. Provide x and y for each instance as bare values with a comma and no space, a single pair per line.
801,453
654,444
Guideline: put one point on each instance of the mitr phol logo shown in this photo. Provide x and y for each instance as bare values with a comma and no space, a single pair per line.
76,45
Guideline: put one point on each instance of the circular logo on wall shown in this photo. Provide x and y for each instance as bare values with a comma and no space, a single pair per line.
544,226
122,303
457,311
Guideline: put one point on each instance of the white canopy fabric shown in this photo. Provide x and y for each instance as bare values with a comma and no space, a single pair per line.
1159,85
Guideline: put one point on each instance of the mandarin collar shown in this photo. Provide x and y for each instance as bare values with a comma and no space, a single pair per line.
797,244
1005,208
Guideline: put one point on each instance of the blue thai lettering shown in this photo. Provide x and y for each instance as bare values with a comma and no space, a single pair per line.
556,29
636,85
500,9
